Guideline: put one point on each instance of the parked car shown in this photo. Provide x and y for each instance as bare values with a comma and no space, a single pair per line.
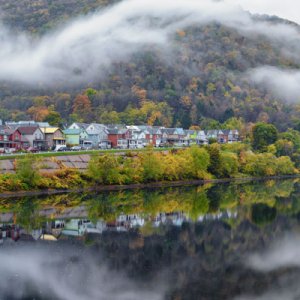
9,150
76,148
105,145
62,148
87,145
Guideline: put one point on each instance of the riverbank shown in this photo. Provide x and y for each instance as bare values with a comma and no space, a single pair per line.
149,168
153,185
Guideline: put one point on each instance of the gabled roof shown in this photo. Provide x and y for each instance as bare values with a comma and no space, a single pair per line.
80,125
28,130
3,129
189,131
211,131
155,130
49,130
226,131
72,131
116,126
117,130
169,130
96,128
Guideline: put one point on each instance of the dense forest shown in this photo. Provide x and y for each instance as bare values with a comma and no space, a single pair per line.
199,81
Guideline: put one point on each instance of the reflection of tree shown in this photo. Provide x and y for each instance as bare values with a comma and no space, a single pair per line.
215,195
193,201
200,204
100,208
262,214
27,214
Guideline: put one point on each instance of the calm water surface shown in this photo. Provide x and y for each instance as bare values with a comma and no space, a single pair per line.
227,241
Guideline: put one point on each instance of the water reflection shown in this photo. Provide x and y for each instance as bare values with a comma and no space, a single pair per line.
205,242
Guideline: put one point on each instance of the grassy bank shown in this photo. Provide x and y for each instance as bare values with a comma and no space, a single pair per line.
149,167
89,152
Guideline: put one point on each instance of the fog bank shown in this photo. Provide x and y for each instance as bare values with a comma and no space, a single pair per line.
83,49
66,273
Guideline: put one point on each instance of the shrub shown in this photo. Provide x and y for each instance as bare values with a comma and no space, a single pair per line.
151,165
27,171
230,164
104,169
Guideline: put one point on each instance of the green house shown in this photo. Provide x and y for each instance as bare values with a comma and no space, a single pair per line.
75,136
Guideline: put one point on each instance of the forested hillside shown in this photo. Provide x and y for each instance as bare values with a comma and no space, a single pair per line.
38,16
198,79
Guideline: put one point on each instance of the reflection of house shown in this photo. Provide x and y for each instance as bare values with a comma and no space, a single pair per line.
48,237
9,233
79,227
175,218
129,221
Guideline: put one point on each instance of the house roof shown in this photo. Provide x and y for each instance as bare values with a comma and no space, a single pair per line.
116,131
81,125
115,126
173,131
154,131
72,131
96,128
27,130
49,130
4,130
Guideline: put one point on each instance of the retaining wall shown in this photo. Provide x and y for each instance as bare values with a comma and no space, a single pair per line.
51,164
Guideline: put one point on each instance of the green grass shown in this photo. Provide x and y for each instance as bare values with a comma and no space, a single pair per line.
90,152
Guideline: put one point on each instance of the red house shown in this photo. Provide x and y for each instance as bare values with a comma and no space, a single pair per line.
11,138
118,137
15,139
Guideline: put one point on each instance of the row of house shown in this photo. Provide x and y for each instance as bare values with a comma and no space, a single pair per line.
42,136
24,135
122,136
52,230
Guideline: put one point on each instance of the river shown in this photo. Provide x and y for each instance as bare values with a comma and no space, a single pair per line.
237,241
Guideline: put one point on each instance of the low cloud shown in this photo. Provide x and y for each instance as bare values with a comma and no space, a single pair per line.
65,273
284,84
83,49
288,9
282,255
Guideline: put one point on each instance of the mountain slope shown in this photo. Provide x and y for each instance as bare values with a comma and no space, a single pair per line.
202,74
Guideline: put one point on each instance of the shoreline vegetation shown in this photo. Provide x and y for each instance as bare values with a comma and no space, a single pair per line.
149,168
153,185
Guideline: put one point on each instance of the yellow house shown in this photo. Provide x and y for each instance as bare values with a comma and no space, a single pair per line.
53,136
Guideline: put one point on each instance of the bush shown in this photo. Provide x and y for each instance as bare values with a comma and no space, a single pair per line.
104,169
230,164
197,162
152,166
27,171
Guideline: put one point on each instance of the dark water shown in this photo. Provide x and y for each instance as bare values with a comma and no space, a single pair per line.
226,241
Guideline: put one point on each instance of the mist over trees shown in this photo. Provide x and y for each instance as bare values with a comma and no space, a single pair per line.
200,80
